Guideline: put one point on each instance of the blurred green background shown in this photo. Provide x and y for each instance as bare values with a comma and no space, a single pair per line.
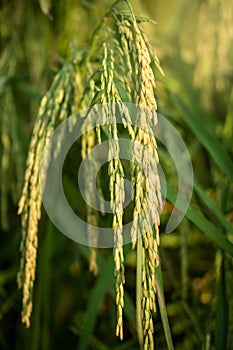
72,308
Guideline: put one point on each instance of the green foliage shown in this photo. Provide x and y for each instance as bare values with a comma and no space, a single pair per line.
73,308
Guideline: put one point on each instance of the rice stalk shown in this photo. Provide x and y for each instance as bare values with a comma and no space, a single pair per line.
229,270
116,69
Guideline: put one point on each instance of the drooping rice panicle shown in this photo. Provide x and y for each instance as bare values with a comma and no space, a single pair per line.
116,179
146,183
117,69
50,111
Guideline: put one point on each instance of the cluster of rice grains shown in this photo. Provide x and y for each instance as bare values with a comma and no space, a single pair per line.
53,109
116,69
146,185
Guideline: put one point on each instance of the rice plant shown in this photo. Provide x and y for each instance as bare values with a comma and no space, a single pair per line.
86,297
116,68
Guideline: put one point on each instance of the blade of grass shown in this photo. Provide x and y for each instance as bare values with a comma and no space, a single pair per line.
162,308
213,207
214,148
221,326
210,230
94,342
221,313
103,285
129,309
40,325
139,292
176,285
47,271
104,282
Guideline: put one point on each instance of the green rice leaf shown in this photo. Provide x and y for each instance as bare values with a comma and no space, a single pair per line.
213,207
209,229
104,282
218,154
221,313
162,308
